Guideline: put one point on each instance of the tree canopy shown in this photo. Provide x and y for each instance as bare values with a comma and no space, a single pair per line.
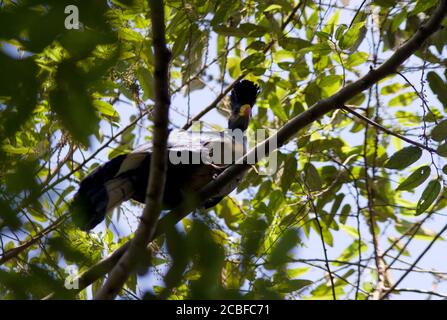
354,92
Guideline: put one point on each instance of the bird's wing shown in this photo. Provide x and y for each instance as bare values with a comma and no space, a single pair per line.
212,152
179,140
219,148
192,144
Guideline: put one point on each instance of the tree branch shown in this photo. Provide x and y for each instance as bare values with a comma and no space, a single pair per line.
370,195
427,292
157,177
290,129
14,252
386,130
410,269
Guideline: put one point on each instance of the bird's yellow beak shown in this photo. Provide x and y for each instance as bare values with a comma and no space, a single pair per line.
245,110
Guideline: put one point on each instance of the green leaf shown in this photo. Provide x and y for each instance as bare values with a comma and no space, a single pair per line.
257,45
356,59
331,23
37,215
292,44
319,48
327,235
384,3
442,150
276,198
273,7
403,99
311,177
296,272
422,233
15,150
253,232
439,132
279,253
393,88
340,31
415,179
423,6
353,232
229,31
146,81
293,285
438,86
72,102
404,158
121,149
357,100
352,36
233,65
330,84
312,93
129,35
278,110
288,173
397,20
253,30
252,61
352,251
105,108
345,211
429,195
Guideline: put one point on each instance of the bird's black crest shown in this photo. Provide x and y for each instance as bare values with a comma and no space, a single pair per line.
244,92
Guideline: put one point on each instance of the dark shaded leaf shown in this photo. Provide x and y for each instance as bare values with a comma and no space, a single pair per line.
438,86
415,179
439,132
429,195
280,252
404,158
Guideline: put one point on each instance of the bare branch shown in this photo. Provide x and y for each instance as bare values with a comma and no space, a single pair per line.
427,292
370,195
386,130
413,265
14,252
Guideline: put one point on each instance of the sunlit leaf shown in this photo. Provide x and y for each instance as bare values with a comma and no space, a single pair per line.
356,59
404,99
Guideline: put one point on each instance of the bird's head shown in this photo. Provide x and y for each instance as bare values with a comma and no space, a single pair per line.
243,98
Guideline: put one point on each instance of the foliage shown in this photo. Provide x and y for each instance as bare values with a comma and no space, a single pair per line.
71,99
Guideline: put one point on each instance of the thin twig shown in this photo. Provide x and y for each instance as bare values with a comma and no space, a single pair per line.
356,13
382,128
413,265
14,252
326,259
428,292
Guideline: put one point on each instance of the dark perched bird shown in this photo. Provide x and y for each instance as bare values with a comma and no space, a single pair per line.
195,159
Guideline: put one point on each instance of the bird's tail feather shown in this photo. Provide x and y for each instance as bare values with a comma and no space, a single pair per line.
99,193
244,92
